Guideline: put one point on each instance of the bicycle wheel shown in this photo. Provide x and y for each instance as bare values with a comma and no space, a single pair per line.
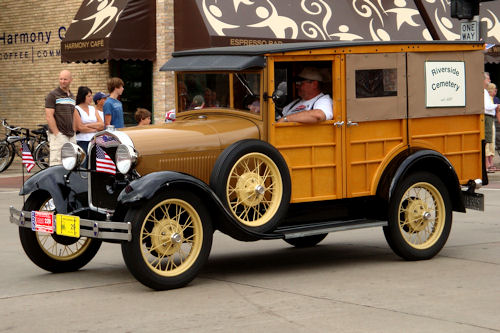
6,155
42,155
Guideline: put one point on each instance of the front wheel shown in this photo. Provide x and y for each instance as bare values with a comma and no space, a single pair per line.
6,155
420,217
52,252
42,155
171,240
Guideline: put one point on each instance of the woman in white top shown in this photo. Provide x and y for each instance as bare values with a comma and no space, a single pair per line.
87,119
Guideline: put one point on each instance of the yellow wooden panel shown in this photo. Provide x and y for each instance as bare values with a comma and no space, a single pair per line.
313,157
302,177
458,138
369,147
297,156
324,182
290,134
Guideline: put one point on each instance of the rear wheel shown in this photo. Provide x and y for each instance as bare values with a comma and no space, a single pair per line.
306,241
52,252
42,155
420,217
6,155
171,240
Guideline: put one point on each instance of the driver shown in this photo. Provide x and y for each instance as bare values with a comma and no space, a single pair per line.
313,106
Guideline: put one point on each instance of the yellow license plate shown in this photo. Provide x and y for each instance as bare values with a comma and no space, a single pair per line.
68,225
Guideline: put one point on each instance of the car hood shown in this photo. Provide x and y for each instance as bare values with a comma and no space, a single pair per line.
184,144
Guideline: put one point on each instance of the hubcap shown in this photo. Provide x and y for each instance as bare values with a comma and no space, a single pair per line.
417,213
249,189
166,237
422,215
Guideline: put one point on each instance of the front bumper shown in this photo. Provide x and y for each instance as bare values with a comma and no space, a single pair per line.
105,230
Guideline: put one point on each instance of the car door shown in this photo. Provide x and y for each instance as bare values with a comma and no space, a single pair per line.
375,118
313,152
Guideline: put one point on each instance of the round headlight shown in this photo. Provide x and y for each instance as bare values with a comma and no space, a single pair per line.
72,156
126,157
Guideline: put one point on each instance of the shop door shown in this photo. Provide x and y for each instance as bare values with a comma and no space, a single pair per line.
138,93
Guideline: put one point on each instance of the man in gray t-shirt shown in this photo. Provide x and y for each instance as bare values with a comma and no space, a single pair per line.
59,109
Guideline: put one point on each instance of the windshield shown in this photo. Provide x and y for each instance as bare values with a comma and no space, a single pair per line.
197,91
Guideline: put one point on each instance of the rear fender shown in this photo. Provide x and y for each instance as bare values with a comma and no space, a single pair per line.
141,190
421,160
68,196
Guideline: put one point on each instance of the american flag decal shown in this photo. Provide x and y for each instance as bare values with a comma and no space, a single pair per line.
103,162
28,161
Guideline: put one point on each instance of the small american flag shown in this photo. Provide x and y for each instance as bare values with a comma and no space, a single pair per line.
106,141
103,162
27,157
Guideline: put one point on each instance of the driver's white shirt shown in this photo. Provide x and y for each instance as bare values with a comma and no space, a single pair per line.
322,102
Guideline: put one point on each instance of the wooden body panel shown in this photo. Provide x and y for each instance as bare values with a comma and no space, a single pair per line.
458,138
334,162
313,160
370,147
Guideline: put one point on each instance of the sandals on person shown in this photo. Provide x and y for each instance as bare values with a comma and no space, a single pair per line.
491,169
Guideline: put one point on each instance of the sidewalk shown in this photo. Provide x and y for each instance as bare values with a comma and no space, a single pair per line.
13,176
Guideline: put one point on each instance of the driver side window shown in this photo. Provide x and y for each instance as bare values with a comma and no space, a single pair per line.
246,88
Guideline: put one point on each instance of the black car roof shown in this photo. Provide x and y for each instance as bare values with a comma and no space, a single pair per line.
289,47
238,58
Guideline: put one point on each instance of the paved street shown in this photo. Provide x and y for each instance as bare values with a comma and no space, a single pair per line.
351,282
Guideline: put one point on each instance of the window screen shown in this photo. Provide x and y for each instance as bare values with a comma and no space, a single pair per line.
376,83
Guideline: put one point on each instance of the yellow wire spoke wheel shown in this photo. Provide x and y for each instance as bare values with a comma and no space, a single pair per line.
171,237
252,180
53,252
254,189
421,215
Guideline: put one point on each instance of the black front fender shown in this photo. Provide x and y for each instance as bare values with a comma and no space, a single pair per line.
67,196
145,188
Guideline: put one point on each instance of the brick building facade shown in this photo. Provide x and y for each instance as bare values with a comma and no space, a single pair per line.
30,47
31,33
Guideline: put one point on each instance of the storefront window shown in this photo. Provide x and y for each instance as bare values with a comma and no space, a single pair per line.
202,90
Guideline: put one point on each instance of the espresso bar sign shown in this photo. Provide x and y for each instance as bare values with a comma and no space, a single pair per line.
444,84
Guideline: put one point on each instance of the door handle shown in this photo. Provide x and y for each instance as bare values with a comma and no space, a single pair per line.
339,123
350,123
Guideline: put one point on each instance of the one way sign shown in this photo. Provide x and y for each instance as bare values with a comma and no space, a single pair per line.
469,31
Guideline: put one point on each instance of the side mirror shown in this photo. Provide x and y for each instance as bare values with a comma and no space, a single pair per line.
279,98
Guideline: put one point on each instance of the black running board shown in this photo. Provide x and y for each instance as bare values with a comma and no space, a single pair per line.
303,230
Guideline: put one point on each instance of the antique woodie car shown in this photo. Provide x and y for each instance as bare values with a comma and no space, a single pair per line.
403,150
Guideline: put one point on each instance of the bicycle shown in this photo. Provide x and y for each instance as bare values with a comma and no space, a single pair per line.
36,141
